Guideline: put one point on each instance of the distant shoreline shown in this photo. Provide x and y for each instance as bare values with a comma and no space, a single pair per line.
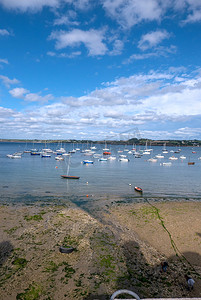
137,142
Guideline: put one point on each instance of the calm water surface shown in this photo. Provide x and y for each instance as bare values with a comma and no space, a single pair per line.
37,176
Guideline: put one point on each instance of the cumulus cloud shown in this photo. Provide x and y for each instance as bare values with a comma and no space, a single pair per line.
33,97
67,19
6,112
37,5
195,16
82,4
25,94
128,13
187,132
92,39
18,92
4,32
152,39
24,5
141,99
192,8
131,12
118,46
7,81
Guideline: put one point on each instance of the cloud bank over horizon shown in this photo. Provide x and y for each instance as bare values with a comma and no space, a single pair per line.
95,68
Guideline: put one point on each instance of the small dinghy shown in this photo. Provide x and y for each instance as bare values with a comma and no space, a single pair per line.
138,189
66,249
69,177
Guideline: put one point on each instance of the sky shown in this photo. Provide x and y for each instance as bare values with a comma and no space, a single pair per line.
100,70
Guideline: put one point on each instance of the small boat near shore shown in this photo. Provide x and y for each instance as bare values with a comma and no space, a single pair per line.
123,159
102,159
70,177
159,156
45,154
173,158
59,157
67,176
106,153
66,249
190,163
152,159
86,162
166,164
13,156
35,153
138,189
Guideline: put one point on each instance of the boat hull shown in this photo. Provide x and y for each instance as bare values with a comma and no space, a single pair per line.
138,189
69,177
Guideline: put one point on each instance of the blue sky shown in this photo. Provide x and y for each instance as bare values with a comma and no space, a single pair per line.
108,69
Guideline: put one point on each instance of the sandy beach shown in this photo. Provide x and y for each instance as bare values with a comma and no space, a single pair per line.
118,245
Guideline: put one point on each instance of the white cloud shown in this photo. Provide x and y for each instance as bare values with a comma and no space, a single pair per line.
169,97
131,12
158,51
4,32
192,9
33,97
117,48
187,132
4,61
24,94
6,112
128,13
65,55
152,39
71,55
37,5
92,39
69,18
24,5
65,20
195,16
18,92
7,81
50,53
82,4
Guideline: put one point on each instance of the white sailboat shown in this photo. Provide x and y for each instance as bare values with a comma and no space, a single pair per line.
147,151
164,148
106,149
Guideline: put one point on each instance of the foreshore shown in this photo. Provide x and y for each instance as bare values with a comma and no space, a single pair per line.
116,245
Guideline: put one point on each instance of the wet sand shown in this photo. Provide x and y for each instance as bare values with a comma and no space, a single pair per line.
117,245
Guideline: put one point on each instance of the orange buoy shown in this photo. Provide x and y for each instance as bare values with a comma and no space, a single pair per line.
87,195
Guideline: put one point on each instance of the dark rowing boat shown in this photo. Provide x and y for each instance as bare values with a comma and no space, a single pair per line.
69,177
66,250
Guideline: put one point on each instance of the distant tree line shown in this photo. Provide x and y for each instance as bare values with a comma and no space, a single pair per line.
133,141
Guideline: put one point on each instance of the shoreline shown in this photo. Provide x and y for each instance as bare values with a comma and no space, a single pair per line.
118,245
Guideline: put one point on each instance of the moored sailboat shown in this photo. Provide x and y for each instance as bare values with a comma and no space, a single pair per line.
67,176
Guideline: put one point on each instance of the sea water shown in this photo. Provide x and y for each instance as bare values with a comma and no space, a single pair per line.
36,176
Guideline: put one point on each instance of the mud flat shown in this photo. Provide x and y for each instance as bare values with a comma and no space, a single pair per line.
117,245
